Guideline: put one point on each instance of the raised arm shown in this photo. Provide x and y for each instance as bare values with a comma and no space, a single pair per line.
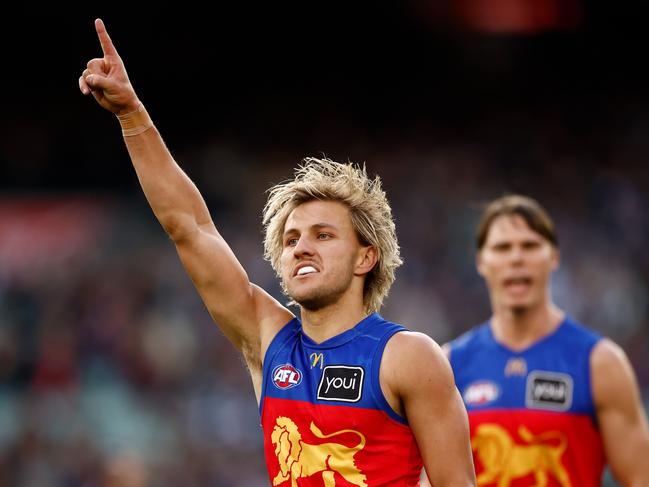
621,417
247,315
419,381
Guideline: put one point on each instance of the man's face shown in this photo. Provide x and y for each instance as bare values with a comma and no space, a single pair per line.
516,263
321,253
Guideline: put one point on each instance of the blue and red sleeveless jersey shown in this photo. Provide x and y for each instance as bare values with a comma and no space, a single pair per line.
324,416
531,413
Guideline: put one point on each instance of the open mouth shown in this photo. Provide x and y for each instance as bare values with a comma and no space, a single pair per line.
305,270
518,284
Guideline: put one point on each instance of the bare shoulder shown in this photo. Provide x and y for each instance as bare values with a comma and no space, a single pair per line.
411,345
620,414
416,357
607,353
608,361
612,375
414,370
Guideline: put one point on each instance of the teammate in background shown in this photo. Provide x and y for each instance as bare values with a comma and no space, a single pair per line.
345,397
550,402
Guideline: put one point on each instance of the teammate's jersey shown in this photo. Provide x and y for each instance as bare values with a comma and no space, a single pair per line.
324,417
531,412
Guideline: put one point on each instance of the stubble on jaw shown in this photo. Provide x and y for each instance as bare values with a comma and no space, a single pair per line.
321,298
519,311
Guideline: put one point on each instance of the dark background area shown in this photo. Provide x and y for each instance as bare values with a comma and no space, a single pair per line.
305,78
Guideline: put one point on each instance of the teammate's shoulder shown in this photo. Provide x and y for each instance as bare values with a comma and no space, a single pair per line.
574,330
476,336
608,353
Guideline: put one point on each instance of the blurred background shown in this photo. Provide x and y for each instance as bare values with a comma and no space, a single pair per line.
111,371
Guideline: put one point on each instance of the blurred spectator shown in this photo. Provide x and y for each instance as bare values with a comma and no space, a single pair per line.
113,374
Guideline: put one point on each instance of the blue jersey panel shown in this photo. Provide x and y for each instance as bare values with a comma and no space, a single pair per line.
343,370
552,375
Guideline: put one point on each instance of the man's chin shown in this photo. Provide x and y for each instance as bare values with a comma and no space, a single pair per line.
519,307
518,303
315,301
312,303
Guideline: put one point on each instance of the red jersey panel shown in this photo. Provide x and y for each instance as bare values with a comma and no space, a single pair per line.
518,449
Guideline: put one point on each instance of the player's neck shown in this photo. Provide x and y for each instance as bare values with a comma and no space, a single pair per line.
325,323
518,329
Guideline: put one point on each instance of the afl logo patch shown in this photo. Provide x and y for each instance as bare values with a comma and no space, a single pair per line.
481,393
286,376
341,383
549,390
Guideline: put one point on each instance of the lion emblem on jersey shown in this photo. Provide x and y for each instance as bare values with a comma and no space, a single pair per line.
299,459
504,460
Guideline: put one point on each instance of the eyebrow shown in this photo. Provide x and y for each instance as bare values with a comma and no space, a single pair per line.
315,226
510,241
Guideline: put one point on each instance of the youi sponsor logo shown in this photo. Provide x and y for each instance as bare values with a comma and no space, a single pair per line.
549,390
341,383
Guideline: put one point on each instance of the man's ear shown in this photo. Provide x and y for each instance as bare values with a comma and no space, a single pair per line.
478,263
556,258
367,259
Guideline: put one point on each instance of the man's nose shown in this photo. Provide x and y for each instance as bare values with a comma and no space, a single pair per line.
304,246
516,255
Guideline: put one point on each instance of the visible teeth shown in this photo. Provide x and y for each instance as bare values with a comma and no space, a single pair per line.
306,270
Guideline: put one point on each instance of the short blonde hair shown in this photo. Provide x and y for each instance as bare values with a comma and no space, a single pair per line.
371,215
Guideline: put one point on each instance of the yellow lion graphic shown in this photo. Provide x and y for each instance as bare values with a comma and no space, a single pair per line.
504,460
298,459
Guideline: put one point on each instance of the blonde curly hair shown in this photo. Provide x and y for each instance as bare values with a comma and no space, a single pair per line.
371,215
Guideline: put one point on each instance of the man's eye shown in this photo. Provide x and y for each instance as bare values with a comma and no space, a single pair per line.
531,245
291,242
323,236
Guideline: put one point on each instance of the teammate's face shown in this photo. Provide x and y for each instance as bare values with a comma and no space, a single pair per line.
516,262
321,254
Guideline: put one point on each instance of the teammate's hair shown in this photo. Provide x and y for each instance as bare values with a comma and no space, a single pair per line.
327,180
515,204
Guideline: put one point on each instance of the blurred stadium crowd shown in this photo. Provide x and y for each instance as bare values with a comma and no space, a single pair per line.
111,371
113,374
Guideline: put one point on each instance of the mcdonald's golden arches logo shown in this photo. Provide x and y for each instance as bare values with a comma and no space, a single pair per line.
516,366
316,358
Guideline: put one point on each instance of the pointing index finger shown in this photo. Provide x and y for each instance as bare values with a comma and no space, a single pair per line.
104,39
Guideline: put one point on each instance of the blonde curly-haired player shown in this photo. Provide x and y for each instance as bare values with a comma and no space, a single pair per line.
345,396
